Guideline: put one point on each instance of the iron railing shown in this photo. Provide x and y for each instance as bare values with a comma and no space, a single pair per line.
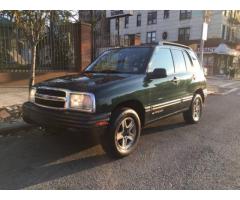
55,51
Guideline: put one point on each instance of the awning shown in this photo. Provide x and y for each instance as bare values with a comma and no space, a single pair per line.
223,49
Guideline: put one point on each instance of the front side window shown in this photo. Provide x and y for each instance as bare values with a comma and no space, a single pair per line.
152,18
185,14
183,34
179,61
151,37
161,58
139,20
122,60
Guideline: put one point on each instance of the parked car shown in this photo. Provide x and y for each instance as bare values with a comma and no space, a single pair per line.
121,92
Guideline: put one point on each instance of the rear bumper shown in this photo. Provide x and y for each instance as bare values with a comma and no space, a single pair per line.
63,118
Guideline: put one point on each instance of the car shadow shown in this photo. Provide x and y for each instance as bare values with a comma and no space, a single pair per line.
35,157
170,123
27,160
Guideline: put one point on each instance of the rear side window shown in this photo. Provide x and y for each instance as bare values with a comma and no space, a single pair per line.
195,60
179,61
162,58
188,61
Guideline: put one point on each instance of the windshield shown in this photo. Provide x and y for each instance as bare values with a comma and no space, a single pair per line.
125,60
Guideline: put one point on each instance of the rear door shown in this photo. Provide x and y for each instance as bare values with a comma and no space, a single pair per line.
182,78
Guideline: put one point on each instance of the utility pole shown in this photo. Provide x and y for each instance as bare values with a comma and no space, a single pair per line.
206,20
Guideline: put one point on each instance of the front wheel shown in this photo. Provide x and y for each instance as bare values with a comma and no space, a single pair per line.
123,133
193,115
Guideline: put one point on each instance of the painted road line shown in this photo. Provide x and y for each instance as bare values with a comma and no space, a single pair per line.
230,91
228,84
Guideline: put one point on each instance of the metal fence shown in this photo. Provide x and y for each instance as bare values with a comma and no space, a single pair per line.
103,42
55,51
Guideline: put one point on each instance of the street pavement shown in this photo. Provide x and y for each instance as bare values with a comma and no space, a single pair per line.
170,155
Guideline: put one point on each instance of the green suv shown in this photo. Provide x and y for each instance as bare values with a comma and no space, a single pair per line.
121,92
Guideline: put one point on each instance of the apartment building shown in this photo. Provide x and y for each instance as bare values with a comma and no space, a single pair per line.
185,26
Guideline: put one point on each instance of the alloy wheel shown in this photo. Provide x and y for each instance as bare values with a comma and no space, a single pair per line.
125,135
197,109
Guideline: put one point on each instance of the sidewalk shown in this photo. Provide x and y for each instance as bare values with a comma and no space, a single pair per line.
11,98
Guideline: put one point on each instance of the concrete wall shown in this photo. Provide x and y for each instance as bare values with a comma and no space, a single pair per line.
170,25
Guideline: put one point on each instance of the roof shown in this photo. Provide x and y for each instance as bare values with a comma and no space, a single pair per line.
165,43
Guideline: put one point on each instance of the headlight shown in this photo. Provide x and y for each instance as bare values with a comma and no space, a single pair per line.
82,101
32,94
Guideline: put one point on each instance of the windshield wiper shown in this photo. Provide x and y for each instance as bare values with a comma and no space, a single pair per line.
109,71
103,71
90,71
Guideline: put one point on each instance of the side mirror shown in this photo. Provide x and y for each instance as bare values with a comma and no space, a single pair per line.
157,73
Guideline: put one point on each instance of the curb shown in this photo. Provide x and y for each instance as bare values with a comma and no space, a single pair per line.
12,128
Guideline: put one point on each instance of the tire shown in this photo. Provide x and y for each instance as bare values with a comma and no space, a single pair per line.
123,133
193,115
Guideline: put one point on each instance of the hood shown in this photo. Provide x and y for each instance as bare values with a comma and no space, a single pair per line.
84,82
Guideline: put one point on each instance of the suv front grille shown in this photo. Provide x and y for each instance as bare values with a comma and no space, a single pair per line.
50,97
51,92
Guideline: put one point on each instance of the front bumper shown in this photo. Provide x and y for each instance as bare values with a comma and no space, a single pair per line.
47,117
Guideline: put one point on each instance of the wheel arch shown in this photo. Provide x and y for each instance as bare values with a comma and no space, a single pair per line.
135,105
200,91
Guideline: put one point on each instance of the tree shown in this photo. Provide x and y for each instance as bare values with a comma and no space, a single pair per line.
33,24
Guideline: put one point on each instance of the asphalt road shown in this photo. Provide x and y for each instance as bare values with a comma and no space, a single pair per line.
170,155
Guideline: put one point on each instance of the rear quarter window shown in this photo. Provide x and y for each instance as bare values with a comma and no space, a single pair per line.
195,61
188,61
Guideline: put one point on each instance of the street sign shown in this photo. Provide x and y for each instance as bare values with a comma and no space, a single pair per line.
204,31
118,13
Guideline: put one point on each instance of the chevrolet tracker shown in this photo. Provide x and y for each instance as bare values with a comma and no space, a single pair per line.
120,92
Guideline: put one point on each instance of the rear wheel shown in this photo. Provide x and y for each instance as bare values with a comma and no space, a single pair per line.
193,115
123,133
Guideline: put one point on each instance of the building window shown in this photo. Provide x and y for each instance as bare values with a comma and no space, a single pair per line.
223,31
225,13
183,34
139,20
126,40
126,21
151,37
185,14
165,14
228,33
117,23
152,18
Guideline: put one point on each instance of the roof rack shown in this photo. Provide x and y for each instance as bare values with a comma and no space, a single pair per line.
174,44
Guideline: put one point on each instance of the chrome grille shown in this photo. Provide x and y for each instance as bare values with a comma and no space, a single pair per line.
51,97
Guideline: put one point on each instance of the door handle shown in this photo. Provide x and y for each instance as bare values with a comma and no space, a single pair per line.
175,79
